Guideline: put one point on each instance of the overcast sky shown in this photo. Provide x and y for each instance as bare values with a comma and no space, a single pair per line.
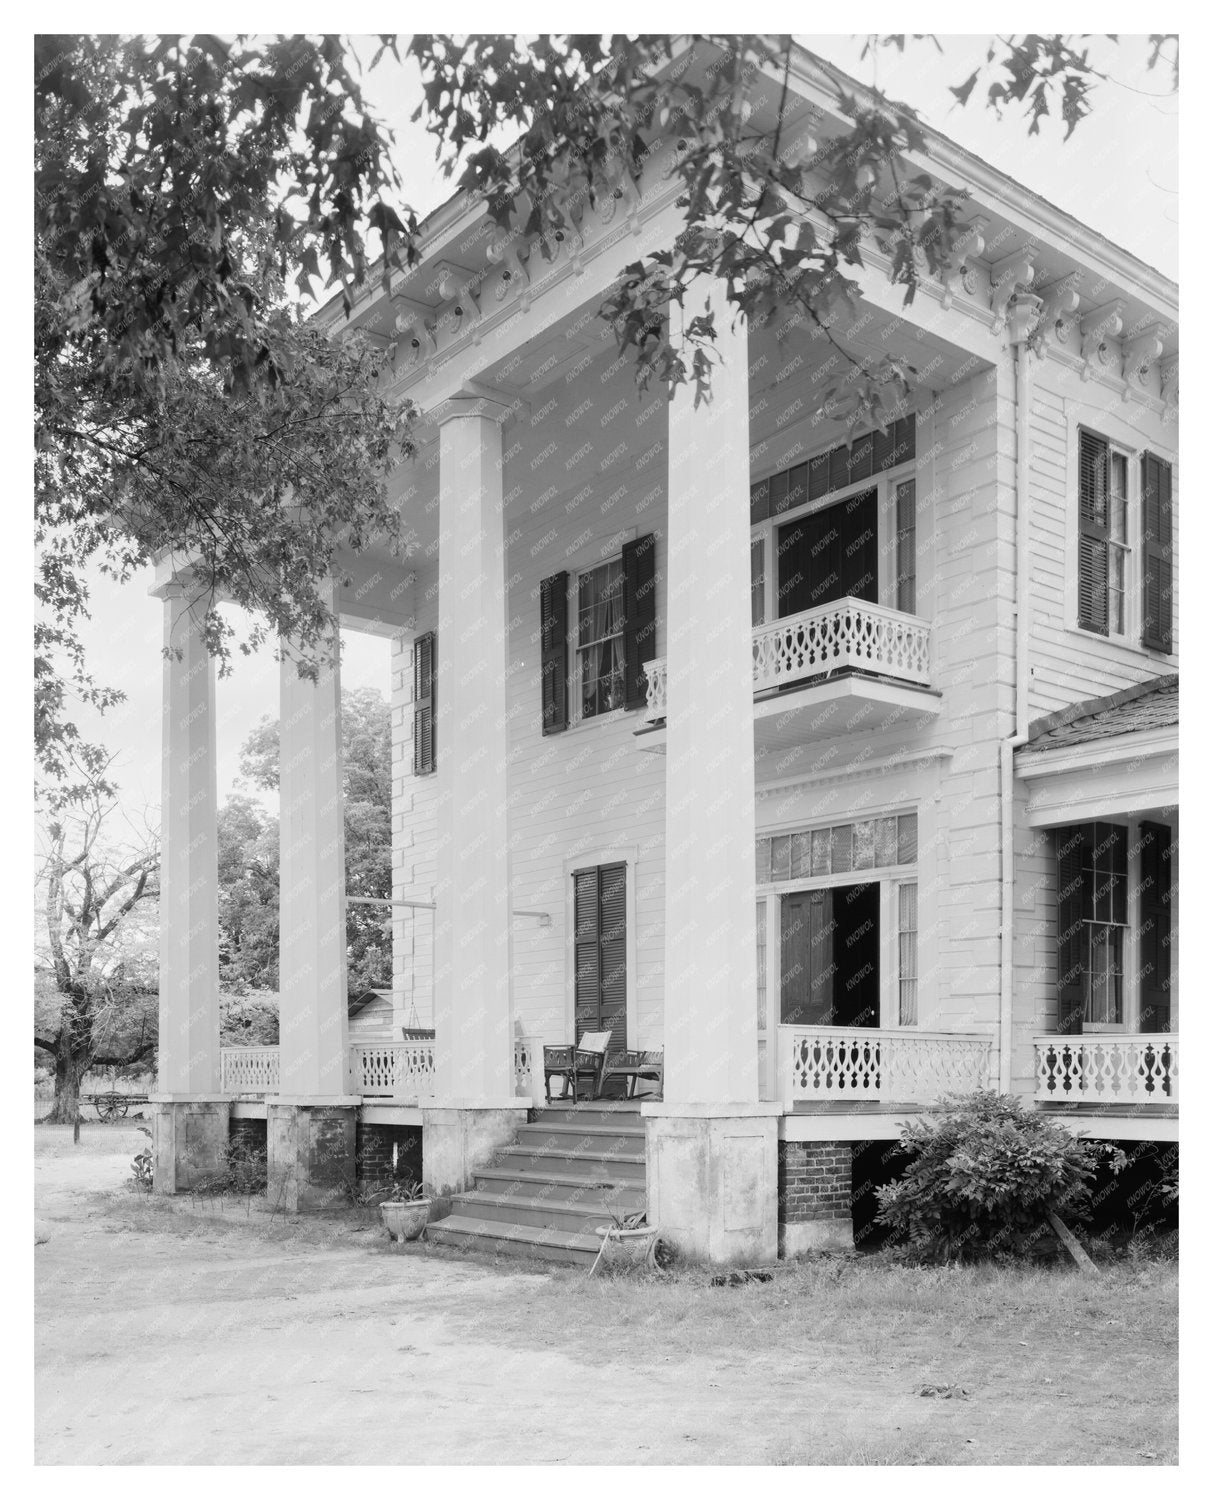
1118,173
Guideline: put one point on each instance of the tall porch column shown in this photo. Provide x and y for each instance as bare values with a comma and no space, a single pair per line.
191,1117
312,1122
474,1108
711,1144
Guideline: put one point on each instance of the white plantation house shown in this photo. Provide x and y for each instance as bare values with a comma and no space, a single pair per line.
828,770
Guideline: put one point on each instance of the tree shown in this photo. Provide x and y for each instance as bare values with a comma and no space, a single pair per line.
184,184
92,888
248,857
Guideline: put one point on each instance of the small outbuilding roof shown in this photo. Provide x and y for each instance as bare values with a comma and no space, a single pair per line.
1146,705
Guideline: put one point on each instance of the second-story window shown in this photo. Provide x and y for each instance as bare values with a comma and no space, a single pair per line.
600,653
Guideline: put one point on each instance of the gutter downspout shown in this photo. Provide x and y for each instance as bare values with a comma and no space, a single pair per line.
1022,317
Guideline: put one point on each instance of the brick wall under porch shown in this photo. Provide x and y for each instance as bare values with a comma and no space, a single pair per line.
815,1186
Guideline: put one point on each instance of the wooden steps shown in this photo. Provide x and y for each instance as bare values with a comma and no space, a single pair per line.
546,1191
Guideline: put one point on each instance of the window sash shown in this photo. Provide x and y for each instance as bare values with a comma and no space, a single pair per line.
907,954
601,662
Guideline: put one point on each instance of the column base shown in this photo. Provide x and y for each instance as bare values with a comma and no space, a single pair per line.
712,1174
457,1138
189,1139
311,1154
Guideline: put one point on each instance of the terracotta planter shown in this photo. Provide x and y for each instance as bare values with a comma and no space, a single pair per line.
627,1247
405,1221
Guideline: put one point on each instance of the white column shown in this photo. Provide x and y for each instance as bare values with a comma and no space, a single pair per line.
472,1021
711,1030
313,1021
189,882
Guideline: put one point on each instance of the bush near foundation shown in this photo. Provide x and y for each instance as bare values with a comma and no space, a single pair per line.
984,1177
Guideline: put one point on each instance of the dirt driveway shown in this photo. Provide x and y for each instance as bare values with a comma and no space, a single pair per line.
165,1337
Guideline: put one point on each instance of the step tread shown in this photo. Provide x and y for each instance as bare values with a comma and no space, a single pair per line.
574,1127
563,1179
594,1212
522,1148
527,1234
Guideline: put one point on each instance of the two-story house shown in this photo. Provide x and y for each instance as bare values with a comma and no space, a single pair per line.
832,769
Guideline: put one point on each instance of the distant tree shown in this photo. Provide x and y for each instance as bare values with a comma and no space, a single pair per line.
91,887
248,870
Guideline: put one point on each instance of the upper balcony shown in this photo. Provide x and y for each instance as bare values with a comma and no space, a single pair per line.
844,667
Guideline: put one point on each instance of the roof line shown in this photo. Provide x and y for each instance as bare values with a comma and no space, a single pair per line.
1092,706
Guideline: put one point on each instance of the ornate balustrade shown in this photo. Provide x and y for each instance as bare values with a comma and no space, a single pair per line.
850,1065
523,1056
1108,1069
248,1070
847,633
400,1071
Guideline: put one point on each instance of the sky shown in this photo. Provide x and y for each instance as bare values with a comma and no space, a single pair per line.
1118,173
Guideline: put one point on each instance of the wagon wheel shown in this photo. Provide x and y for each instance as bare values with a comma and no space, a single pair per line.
107,1106
122,1105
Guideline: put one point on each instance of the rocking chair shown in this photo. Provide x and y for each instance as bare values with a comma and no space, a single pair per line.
572,1064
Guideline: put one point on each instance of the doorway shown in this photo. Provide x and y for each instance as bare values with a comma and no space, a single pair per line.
830,956
830,554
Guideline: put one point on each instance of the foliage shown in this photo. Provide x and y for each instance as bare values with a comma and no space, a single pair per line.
92,887
181,403
984,1177
143,1166
249,1020
243,1170
248,876
404,1190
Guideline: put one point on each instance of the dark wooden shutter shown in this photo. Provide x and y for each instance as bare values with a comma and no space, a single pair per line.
1154,944
600,952
1092,533
1071,930
554,651
1156,553
639,617
425,757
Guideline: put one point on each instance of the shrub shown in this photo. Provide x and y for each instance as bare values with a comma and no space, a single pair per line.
143,1166
984,1177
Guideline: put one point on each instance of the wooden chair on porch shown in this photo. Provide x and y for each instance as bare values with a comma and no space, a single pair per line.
630,1067
585,1061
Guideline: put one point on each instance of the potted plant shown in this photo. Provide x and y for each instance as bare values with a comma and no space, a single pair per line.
405,1211
628,1240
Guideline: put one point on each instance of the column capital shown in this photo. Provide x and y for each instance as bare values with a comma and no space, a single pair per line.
471,404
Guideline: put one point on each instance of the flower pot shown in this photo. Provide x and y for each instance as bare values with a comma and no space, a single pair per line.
627,1247
405,1221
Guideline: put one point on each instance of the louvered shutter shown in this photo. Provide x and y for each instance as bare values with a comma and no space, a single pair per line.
1071,930
1154,937
425,759
1156,553
554,651
613,954
585,952
639,616
1093,533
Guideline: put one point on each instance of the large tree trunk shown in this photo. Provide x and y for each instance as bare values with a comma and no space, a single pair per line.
70,1068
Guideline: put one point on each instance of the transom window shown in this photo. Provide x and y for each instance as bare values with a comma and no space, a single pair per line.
600,646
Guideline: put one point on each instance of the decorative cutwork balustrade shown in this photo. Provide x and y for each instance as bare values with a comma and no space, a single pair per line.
858,1065
844,634
1104,1069
400,1071
248,1070
523,1056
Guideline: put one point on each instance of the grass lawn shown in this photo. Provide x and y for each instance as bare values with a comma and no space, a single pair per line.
168,1336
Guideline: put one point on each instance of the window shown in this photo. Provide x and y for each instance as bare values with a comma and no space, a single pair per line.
907,954
1103,543
1093,885
600,639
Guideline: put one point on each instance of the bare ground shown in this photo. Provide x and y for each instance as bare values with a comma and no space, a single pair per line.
166,1335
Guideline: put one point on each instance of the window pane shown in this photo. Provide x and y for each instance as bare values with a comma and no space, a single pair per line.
1116,590
907,955
781,858
886,841
762,862
800,855
840,849
907,838
758,581
865,845
1104,976
821,851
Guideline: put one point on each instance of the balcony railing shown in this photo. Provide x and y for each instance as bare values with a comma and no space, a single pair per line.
846,633
1130,1070
866,1065
402,1072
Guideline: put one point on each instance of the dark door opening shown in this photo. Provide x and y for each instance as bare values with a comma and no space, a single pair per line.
830,956
830,554
600,941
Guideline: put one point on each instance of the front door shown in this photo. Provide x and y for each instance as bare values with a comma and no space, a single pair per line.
830,956
829,554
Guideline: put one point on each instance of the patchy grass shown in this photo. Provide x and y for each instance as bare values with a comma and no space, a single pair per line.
332,1344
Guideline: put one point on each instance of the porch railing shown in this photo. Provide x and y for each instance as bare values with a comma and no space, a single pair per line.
248,1070
1132,1070
852,1065
844,633
400,1071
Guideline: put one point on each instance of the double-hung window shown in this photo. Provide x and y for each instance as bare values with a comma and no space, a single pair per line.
600,646
1103,545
